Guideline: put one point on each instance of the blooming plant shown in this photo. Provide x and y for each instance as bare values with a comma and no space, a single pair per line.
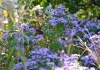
48,38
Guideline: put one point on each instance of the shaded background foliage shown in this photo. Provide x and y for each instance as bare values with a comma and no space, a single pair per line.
84,8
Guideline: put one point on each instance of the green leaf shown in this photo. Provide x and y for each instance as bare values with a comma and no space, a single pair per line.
11,64
9,25
13,48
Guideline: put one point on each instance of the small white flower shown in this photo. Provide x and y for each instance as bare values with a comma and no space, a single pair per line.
5,21
16,19
38,7
16,15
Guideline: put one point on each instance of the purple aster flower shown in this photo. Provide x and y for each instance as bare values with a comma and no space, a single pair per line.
88,23
63,42
19,34
42,68
93,25
61,7
32,30
58,12
33,57
59,68
50,55
19,47
62,20
34,52
73,32
38,56
50,63
20,40
24,26
5,35
70,16
75,39
92,33
53,22
34,41
98,27
85,36
79,29
39,36
75,23
44,51
54,12
88,59
55,56
70,32
19,66
33,62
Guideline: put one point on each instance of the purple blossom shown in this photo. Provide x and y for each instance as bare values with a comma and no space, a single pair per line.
85,36
66,62
75,23
24,26
58,12
88,59
79,29
19,47
18,66
61,7
70,32
73,32
39,36
63,42
88,23
42,68
50,63
33,57
98,27
43,56
18,34
20,39
44,51
62,20
34,41
32,30
93,25
53,22
5,35
55,56
69,16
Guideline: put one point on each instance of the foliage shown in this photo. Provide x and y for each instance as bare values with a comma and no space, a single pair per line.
47,37
84,8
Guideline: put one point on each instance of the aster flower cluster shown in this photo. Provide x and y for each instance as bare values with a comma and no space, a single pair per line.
94,45
75,27
88,59
83,28
58,14
72,25
44,59
25,34
41,59
71,62
95,39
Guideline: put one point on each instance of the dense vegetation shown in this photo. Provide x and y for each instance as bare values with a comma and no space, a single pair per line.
49,35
